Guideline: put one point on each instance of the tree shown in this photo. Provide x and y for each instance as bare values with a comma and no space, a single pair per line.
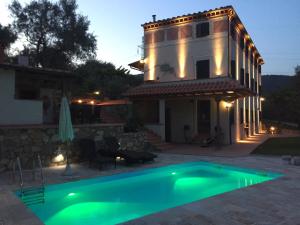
7,36
284,105
111,81
57,36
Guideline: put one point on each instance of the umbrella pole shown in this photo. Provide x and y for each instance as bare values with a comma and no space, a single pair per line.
68,170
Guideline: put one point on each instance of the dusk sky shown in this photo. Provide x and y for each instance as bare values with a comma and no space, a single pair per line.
274,26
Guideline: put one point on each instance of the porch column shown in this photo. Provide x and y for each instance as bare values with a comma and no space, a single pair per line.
218,131
195,117
162,115
236,121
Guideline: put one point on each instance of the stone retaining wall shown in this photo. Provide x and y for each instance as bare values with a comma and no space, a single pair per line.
26,141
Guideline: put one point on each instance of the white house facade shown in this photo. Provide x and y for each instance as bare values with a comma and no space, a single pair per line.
202,76
30,96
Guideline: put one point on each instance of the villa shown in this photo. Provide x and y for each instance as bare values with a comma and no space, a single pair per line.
202,78
67,156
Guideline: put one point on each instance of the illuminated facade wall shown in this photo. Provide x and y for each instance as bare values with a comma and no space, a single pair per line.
171,60
248,108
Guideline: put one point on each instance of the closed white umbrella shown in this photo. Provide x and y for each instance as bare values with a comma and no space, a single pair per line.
65,130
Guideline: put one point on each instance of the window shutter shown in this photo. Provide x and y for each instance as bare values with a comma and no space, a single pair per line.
202,69
242,76
233,31
247,80
242,42
259,69
202,29
241,116
252,84
233,69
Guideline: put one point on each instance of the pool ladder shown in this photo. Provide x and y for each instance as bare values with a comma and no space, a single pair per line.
32,194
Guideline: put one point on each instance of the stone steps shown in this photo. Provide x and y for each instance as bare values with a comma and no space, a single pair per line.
156,141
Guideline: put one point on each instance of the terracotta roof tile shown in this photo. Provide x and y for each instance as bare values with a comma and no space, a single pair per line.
211,86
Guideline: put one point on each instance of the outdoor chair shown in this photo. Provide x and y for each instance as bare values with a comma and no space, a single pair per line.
89,153
208,141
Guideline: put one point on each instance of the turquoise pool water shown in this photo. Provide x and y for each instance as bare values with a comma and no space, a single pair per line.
122,197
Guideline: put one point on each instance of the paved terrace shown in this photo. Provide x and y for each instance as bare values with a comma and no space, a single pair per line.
273,202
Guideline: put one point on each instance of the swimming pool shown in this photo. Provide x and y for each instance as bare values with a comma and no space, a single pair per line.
123,197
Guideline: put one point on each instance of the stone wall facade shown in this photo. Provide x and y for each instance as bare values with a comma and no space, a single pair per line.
25,142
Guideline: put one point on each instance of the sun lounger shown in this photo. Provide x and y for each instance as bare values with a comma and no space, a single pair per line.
95,159
208,141
112,149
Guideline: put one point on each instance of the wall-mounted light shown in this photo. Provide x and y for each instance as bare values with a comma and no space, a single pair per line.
262,99
92,102
59,158
97,92
272,130
79,101
143,61
228,105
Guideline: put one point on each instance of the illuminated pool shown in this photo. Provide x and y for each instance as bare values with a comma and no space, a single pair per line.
119,198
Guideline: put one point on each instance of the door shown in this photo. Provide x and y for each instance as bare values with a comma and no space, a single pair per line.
203,116
168,124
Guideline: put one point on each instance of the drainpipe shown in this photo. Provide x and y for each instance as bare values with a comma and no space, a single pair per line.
228,45
218,131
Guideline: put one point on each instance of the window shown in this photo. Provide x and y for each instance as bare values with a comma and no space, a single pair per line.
255,87
252,84
159,36
148,38
251,57
246,53
202,69
233,69
220,26
242,76
259,69
241,115
259,89
172,34
202,29
27,94
233,31
242,43
247,80
186,31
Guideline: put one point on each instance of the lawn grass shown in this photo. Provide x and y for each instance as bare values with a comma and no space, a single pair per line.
279,146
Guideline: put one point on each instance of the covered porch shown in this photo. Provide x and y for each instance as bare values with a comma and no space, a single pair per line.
191,111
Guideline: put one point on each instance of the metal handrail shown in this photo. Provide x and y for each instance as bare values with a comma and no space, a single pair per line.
20,174
41,169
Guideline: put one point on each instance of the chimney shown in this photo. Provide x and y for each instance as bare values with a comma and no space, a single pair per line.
1,53
154,18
